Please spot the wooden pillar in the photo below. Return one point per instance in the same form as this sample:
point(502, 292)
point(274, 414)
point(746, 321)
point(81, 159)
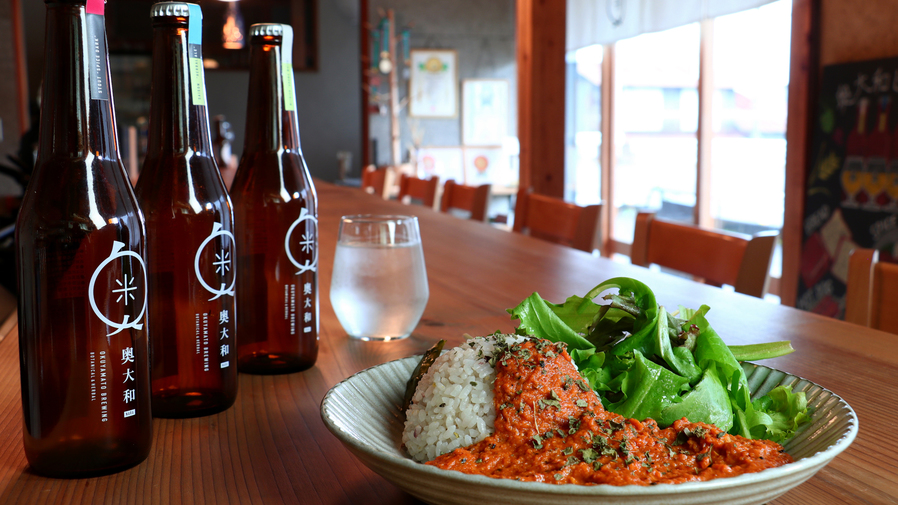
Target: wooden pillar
point(607, 158)
point(395, 145)
point(365, 52)
point(18, 37)
point(705, 133)
point(803, 77)
point(540, 58)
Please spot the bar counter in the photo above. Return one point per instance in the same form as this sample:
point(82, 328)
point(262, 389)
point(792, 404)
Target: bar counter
point(272, 446)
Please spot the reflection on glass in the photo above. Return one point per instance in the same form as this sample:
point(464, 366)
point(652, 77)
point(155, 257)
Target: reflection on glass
point(748, 152)
point(656, 118)
point(583, 126)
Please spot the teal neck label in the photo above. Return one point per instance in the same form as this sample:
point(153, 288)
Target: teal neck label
point(195, 25)
point(195, 55)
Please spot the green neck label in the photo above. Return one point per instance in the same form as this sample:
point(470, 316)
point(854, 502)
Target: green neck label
point(289, 89)
point(197, 78)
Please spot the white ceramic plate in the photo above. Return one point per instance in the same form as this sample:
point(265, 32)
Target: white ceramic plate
point(363, 411)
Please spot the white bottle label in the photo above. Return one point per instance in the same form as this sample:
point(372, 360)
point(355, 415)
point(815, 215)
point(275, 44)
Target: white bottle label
point(129, 289)
point(224, 260)
point(308, 242)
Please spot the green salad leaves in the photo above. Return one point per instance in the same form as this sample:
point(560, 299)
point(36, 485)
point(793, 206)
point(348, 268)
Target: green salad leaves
point(645, 362)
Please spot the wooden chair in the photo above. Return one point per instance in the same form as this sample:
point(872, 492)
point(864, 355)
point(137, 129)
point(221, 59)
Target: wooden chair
point(473, 199)
point(742, 261)
point(557, 221)
point(872, 291)
point(377, 181)
point(421, 189)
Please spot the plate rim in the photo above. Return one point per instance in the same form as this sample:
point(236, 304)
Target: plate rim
point(812, 463)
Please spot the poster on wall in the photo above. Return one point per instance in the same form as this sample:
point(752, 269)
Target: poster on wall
point(433, 83)
point(485, 111)
point(487, 165)
point(851, 194)
point(444, 162)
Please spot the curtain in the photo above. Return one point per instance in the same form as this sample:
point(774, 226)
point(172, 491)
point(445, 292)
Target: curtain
point(605, 21)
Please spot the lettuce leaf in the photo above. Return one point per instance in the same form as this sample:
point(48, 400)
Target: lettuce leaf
point(708, 402)
point(788, 411)
point(647, 389)
point(541, 319)
point(644, 362)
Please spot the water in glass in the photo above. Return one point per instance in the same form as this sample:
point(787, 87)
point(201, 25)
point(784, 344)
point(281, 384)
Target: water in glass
point(379, 285)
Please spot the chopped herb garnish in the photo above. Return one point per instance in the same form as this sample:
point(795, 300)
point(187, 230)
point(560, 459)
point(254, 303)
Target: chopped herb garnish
point(573, 425)
point(555, 401)
point(589, 455)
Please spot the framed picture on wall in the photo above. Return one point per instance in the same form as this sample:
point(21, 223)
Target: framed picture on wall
point(484, 111)
point(445, 162)
point(433, 83)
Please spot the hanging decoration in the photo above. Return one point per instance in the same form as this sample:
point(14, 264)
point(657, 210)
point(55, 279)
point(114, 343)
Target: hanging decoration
point(385, 65)
point(232, 31)
point(390, 58)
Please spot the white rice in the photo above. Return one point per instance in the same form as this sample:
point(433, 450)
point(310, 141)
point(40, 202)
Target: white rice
point(453, 404)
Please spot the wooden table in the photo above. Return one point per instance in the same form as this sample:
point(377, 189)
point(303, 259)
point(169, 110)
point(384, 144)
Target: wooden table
point(272, 446)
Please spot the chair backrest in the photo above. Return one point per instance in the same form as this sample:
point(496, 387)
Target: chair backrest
point(376, 181)
point(421, 189)
point(474, 199)
point(742, 261)
point(557, 221)
point(872, 291)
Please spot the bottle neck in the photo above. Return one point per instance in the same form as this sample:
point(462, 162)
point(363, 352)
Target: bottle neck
point(271, 122)
point(77, 118)
point(179, 117)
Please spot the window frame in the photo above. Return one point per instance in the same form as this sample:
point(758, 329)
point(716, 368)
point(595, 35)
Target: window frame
point(704, 136)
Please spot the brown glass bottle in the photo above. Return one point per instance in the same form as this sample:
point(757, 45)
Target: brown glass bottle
point(190, 227)
point(80, 245)
point(276, 212)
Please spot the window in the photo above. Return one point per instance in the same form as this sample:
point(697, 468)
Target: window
point(655, 125)
point(748, 151)
point(657, 156)
point(583, 104)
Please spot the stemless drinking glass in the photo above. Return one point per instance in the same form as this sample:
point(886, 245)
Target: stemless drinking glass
point(379, 285)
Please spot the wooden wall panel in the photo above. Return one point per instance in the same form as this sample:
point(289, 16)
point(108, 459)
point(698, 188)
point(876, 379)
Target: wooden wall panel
point(852, 30)
point(541, 38)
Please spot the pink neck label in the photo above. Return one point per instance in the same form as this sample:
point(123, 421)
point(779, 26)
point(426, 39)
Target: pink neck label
point(95, 7)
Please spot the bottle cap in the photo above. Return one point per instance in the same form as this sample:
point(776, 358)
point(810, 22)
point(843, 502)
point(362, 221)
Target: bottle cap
point(170, 9)
point(269, 29)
